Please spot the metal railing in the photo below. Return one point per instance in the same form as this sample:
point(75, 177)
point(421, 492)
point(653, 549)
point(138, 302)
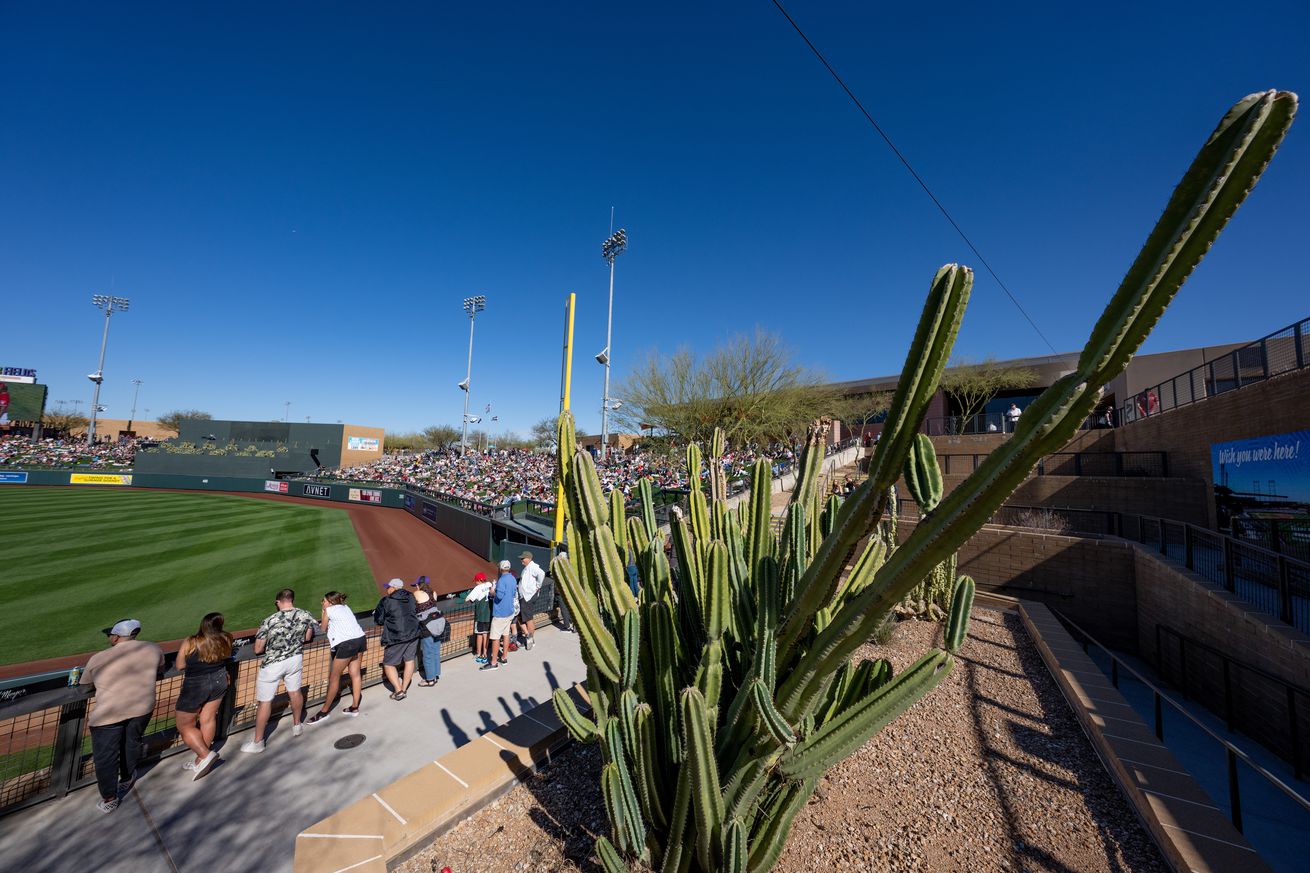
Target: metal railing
point(1242, 692)
point(986, 423)
point(1232, 754)
point(1273, 583)
point(1282, 351)
point(1112, 464)
point(45, 738)
point(1053, 519)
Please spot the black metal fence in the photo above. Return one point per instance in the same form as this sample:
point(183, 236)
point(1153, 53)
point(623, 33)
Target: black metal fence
point(1268, 709)
point(999, 422)
point(45, 738)
point(1277, 584)
point(1280, 352)
point(1052, 519)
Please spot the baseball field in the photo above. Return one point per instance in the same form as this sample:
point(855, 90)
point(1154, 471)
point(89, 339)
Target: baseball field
point(75, 560)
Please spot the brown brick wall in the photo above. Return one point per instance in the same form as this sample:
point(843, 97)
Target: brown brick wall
point(1178, 499)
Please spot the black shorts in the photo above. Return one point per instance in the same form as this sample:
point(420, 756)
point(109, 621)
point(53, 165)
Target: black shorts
point(199, 690)
point(482, 627)
point(347, 649)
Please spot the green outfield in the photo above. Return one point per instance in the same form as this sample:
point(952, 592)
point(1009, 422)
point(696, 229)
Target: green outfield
point(74, 560)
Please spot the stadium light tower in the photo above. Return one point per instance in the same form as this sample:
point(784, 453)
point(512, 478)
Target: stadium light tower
point(110, 304)
point(615, 245)
point(472, 305)
point(136, 392)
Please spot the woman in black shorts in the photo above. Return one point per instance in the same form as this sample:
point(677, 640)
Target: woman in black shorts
point(203, 662)
point(348, 643)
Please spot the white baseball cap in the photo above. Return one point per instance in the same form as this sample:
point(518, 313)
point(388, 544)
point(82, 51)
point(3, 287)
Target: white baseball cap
point(396, 583)
point(124, 628)
point(505, 565)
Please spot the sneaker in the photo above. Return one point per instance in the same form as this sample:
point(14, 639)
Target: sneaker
point(528, 645)
point(479, 660)
point(203, 765)
point(318, 718)
point(250, 746)
point(297, 730)
point(125, 787)
point(352, 711)
point(490, 667)
point(504, 662)
point(107, 805)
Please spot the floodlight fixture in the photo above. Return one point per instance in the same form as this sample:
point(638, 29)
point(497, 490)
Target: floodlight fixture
point(603, 357)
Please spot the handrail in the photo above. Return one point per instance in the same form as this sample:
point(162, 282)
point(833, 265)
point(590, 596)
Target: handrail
point(1159, 696)
point(1165, 396)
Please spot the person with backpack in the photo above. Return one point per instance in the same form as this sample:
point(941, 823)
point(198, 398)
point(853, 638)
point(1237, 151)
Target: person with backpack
point(434, 628)
point(396, 616)
point(480, 597)
point(530, 582)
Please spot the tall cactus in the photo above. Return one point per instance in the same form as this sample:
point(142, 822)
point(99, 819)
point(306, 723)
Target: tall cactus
point(719, 703)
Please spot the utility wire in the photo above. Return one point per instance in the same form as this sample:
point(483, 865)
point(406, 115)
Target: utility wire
point(922, 184)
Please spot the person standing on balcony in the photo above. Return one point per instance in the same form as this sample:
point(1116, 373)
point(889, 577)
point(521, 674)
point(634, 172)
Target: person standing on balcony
point(281, 641)
point(396, 616)
point(502, 613)
point(1012, 417)
point(124, 677)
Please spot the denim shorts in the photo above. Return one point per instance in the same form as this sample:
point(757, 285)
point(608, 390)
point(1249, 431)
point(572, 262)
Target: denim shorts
point(199, 690)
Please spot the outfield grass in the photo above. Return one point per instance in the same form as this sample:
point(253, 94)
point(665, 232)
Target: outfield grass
point(75, 560)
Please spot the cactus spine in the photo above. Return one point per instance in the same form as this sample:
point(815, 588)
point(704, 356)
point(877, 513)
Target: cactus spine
point(719, 702)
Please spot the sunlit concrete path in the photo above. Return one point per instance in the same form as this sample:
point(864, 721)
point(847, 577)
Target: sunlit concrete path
point(245, 813)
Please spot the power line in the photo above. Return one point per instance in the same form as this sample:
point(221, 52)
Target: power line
point(922, 184)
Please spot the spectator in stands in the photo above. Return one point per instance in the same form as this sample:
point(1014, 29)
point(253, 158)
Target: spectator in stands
point(281, 641)
point(124, 677)
point(203, 661)
point(530, 582)
point(1012, 417)
point(480, 597)
point(400, 632)
point(502, 613)
point(348, 642)
point(432, 627)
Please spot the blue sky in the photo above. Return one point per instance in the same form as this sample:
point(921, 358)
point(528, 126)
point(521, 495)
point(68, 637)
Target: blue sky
point(296, 197)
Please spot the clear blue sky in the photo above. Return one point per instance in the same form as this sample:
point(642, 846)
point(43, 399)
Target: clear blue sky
point(296, 197)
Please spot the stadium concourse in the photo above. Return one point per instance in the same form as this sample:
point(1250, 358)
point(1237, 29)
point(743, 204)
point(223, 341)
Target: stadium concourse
point(246, 812)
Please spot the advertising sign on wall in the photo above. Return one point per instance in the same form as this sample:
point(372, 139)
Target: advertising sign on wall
point(429, 511)
point(13, 478)
point(99, 479)
point(409, 501)
point(365, 495)
point(277, 487)
point(318, 490)
point(362, 444)
point(1263, 479)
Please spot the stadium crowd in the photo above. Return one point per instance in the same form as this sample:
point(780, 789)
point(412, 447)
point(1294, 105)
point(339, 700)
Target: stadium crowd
point(503, 476)
point(20, 451)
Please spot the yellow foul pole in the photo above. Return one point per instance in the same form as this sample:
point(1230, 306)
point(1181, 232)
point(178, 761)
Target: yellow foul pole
point(566, 384)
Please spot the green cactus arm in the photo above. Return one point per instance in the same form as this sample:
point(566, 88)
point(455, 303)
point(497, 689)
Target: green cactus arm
point(957, 620)
point(938, 325)
point(637, 539)
point(734, 847)
point(592, 510)
point(647, 497)
point(769, 833)
point(610, 859)
point(610, 573)
point(649, 774)
point(579, 726)
point(760, 537)
point(709, 676)
point(769, 718)
point(807, 471)
point(698, 513)
point(922, 475)
point(853, 727)
point(631, 819)
point(611, 791)
point(706, 799)
point(829, 518)
point(630, 655)
point(693, 467)
point(678, 852)
point(1218, 180)
point(598, 644)
point(565, 445)
point(716, 605)
point(665, 660)
point(618, 527)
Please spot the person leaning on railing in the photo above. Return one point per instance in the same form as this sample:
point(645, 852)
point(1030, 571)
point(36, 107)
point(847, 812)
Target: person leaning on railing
point(348, 642)
point(124, 677)
point(203, 662)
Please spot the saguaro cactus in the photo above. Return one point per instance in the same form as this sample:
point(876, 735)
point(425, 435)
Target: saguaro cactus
point(720, 702)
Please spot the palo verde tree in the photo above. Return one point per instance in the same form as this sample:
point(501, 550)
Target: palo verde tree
point(973, 385)
point(719, 701)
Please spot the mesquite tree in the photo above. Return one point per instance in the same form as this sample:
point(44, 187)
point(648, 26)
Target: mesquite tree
point(720, 702)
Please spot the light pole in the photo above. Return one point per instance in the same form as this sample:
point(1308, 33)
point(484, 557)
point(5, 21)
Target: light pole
point(615, 245)
point(135, 392)
point(286, 416)
point(110, 304)
point(472, 305)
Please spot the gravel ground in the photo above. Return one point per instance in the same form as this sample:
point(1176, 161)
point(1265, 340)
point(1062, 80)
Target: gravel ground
point(990, 773)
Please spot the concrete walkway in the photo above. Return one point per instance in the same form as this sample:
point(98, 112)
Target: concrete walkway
point(245, 813)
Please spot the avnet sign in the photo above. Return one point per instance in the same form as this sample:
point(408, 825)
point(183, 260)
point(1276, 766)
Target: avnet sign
point(318, 490)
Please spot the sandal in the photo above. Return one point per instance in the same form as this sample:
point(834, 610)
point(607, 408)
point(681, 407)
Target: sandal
point(399, 695)
point(427, 683)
